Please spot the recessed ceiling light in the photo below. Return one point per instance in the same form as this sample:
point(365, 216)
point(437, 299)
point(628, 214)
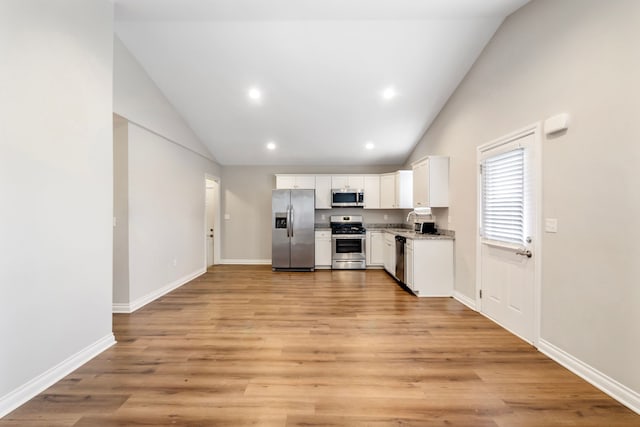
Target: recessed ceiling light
point(254, 93)
point(389, 93)
point(271, 145)
point(369, 145)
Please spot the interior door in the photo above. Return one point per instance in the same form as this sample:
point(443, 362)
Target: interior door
point(210, 219)
point(507, 240)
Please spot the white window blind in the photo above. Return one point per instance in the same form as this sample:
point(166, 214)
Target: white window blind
point(503, 197)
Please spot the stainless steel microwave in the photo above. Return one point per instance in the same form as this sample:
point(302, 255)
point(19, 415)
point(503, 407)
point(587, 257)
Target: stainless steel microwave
point(347, 197)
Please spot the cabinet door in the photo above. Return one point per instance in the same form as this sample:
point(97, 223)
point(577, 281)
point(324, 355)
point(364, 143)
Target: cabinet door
point(286, 182)
point(431, 182)
point(421, 184)
point(355, 182)
point(323, 192)
point(339, 181)
point(408, 266)
point(376, 253)
point(372, 191)
point(404, 190)
point(323, 248)
point(305, 182)
point(390, 253)
point(387, 191)
point(433, 275)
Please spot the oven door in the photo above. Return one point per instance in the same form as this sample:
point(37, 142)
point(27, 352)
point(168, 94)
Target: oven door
point(348, 247)
point(347, 252)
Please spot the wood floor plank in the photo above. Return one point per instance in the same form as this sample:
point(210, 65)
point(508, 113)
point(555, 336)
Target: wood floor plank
point(244, 346)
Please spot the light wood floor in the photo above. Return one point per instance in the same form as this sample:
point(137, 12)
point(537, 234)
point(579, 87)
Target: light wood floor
point(244, 346)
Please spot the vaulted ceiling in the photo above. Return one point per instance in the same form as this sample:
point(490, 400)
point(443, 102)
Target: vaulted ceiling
point(319, 79)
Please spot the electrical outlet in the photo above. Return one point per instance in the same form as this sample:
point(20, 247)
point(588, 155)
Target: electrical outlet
point(323, 217)
point(386, 216)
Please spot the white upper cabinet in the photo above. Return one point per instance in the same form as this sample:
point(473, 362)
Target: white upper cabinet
point(371, 191)
point(295, 182)
point(431, 182)
point(354, 182)
point(404, 190)
point(387, 191)
point(323, 191)
point(396, 190)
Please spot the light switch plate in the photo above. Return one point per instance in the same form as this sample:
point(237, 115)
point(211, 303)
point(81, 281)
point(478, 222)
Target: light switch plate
point(551, 225)
point(227, 216)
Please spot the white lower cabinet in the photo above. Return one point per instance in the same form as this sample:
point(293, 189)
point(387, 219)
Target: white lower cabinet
point(323, 249)
point(408, 264)
point(375, 248)
point(389, 253)
point(429, 267)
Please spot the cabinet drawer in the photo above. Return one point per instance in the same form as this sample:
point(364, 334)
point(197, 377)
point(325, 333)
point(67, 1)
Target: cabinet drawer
point(323, 234)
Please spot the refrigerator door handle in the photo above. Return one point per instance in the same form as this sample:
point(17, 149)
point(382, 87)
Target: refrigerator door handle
point(288, 221)
point(291, 220)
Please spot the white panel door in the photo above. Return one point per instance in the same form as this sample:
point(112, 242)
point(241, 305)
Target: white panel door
point(507, 228)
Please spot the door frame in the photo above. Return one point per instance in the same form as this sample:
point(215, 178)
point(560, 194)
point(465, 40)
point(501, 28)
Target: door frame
point(216, 233)
point(534, 129)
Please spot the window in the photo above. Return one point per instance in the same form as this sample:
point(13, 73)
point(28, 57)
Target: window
point(503, 197)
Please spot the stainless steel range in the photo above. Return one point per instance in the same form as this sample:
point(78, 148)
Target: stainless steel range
point(348, 242)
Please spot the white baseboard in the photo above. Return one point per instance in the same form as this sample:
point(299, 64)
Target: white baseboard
point(29, 390)
point(152, 296)
point(120, 307)
point(246, 261)
point(613, 388)
point(465, 300)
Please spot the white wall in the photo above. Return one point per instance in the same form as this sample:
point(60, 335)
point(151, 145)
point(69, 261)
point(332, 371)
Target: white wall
point(579, 57)
point(246, 198)
point(120, 211)
point(56, 186)
point(166, 214)
point(165, 190)
point(137, 98)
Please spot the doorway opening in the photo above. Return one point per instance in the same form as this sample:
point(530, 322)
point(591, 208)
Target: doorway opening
point(212, 221)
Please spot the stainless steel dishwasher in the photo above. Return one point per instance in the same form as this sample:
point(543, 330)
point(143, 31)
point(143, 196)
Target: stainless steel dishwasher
point(400, 241)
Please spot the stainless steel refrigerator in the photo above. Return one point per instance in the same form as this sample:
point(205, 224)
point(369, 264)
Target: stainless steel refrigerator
point(293, 233)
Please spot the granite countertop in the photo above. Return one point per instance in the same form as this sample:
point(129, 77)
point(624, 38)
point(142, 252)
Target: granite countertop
point(410, 234)
point(398, 229)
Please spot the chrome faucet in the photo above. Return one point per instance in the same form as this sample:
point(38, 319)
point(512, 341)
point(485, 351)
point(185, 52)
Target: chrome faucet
point(409, 215)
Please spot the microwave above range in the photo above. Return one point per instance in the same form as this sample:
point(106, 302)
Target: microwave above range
point(347, 198)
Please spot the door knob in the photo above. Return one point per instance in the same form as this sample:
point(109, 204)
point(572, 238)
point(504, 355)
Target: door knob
point(524, 252)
